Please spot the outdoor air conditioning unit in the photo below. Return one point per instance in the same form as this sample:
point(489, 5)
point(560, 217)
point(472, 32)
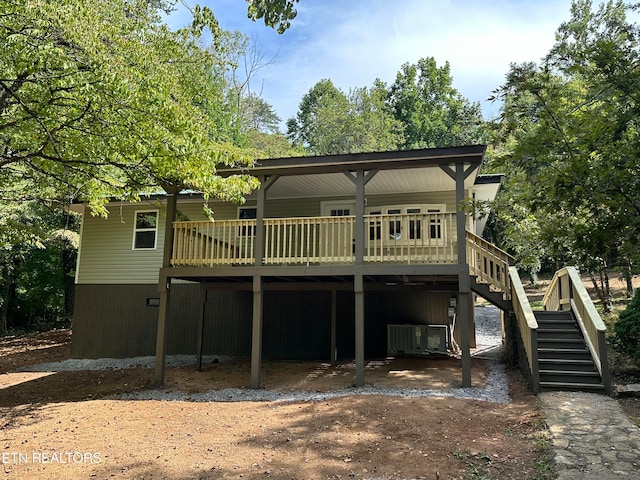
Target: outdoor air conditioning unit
point(416, 339)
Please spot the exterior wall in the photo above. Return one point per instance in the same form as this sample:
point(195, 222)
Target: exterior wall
point(115, 321)
point(106, 255)
point(112, 319)
point(106, 245)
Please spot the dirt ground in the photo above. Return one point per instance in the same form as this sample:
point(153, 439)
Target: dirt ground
point(64, 425)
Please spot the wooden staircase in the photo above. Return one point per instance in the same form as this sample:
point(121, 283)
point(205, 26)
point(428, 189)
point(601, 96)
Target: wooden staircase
point(564, 361)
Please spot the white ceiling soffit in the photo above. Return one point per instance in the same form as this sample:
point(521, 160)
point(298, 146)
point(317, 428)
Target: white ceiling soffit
point(409, 180)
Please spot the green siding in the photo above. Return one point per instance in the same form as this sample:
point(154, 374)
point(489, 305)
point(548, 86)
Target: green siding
point(106, 253)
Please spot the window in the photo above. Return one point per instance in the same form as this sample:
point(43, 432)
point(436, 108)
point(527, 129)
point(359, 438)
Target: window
point(415, 222)
point(145, 232)
point(375, 226)
point(435, 224)
point(340, 212)
point(395, 224)
point(247, 213)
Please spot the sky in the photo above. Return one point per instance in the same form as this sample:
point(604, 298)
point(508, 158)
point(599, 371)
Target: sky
point(353, 42)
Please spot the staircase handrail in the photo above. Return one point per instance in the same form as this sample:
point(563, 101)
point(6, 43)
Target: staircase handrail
point(527, 325)
point(567, 290)
point(488, 262)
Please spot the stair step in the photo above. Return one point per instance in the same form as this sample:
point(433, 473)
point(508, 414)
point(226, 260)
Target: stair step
point(569, 377)
point(562, 364)
point(564, 353)
point(557, 326)
point(546, 386)
point(559, 333)
point(553, 314)
point(561, 343)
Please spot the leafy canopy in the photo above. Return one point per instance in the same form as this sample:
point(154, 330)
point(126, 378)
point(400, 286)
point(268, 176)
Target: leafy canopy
point(99, 99)
point(570, 127)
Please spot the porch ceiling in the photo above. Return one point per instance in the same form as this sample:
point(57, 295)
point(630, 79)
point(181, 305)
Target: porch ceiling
point(429, 179)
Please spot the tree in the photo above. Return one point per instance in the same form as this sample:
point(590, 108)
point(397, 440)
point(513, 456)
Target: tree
point(99, 99)
point(627, 329)
point(431, 111)
point(574, 124)
point(330, 122)
point(37, 266)
point(276, 13)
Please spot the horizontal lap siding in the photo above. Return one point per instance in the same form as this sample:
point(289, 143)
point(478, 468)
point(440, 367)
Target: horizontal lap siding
point(106, 253)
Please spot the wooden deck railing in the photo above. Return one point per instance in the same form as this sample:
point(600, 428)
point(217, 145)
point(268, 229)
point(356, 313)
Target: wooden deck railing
point(527, 325)
point(411, 238)
point(406, 238)
point(567, 292)
point(488, 263)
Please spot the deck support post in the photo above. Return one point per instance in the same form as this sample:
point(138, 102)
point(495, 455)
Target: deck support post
point(464, 281)
point(256, 337)
point(464, 321)
point(334, 327)
point(203, 307)
point(459, 175)
point(164, 286)
point(358, 287)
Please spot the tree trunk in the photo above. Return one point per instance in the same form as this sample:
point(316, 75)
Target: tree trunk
point(68, 254)
point(628, 277)
point(601, 286)
point(8, 285)
point(4, 300)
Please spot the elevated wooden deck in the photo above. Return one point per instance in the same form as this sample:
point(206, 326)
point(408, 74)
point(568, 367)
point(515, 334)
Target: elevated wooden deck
point(409, 239)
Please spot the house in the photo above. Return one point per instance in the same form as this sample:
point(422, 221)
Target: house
point(316, 264)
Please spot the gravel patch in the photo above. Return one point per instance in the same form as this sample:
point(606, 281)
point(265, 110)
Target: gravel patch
point(72, 364)
point(496, 392)
point(489, 346)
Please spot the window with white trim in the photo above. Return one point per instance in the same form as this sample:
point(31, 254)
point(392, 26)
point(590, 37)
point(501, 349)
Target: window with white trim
point(407, 227)
point(145, 230)
point(247, 213)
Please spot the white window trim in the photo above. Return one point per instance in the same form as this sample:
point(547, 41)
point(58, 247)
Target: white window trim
point(245, 207)
point(424, 208)
point(136, 230)
point(324, 205)
point(241, 233)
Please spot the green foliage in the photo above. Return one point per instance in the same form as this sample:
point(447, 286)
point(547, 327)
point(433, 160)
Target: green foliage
point(627, 329)
point(276, 13)
point(272, 145)
point(432, 112)
point(99, 99)
point(329, 121)
point(420, 109)
point(37, 266)
point(569, 128)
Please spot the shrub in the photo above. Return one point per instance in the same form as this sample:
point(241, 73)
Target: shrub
point(627, 329)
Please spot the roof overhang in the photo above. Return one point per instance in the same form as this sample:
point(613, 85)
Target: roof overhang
point(398, 159)
point(404, 171)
